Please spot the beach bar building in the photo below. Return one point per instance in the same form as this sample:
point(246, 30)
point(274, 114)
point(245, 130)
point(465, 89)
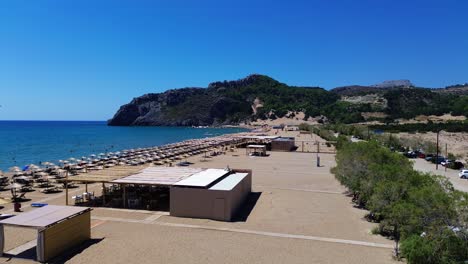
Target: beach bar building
point(188, 192)
point(59, 228)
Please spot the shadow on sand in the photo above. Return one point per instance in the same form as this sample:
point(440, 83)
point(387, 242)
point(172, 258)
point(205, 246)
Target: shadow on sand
point(69, 254)
point(30, 253)
point(249, 205)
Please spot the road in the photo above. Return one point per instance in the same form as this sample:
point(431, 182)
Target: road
point(452, 175)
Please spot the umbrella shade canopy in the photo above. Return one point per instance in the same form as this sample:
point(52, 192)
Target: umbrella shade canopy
point(14, 186)
point(22, 178)
point(16, 168)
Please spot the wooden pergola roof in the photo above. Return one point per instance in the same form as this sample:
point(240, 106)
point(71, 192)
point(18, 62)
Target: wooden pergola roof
point(165, 176)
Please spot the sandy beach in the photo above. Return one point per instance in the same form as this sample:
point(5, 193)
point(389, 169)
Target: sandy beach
point(301, 215)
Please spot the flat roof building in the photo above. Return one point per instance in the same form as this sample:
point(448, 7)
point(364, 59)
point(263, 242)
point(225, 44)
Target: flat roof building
point(218, 198)
point(192, 192)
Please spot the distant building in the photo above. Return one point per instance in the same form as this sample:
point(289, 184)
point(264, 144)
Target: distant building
point(291, 128)
point(283, 144)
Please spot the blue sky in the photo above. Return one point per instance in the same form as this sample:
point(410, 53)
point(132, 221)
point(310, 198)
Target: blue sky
point(81, 60)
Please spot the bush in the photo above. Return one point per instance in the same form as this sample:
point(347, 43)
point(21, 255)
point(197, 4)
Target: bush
point(406, 203)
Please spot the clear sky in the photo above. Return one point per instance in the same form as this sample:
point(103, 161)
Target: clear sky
point(81, 60)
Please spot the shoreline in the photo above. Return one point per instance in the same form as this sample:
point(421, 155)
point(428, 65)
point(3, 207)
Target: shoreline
point(77, 146)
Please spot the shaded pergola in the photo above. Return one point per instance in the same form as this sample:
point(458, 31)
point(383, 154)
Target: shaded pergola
point(151, 176)
point(256, 148)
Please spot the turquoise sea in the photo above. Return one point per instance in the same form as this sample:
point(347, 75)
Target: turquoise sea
point(26, 142)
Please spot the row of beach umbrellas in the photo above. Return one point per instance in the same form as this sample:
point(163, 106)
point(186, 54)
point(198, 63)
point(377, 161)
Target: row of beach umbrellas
point(157, 155)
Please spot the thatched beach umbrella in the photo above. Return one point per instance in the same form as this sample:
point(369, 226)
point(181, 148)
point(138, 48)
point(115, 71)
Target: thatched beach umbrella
point(14, 186)
point(15, 169)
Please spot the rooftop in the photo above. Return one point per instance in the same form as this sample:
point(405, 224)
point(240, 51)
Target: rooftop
point(44, 216)
point(159, 176)
point(229, 182)
point(203, 178)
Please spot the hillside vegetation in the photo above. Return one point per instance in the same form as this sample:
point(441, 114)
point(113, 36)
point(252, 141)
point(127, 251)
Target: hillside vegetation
point(261, 97)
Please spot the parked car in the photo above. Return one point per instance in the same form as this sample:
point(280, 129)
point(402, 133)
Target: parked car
point(456, 165)
point(446, 162)
point(438, 159)
point(463, 174)
point(410, 154)
point(421, 155)
point(429, 157)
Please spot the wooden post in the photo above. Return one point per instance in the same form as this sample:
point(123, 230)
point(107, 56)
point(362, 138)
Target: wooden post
point(302, 146)
point(103, 194)
point(86, 187)
point(66, 188)
point(124, 194)
point(446, 155)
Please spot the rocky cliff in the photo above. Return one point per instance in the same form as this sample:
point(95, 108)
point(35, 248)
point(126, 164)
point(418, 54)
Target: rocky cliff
point(218, 104)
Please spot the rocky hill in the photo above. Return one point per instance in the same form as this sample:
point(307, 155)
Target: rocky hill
point(461, 89)
point(227, 102)
point(261, 97)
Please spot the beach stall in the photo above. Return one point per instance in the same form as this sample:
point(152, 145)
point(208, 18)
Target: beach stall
point(256, 150)
point(283, 144)
point(59, 228)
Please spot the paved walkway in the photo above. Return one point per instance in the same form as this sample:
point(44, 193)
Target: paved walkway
point(152, 220)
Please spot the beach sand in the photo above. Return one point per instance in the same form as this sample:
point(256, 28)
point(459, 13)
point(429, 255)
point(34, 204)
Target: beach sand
point(301, 215)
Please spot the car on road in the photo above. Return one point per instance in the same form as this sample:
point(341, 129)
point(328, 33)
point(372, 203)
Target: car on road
point(438, 159)
point(456, 165)
point(463, 174)
point(429, 157)
point(446, 162)
point(410, 154)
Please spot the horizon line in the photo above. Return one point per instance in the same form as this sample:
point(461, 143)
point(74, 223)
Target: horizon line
point(43, 120)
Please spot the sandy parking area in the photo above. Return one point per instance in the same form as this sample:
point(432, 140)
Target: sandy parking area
point(452, 175)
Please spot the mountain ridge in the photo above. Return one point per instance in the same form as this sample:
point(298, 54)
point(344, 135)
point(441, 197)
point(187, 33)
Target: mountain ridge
point(262, 97)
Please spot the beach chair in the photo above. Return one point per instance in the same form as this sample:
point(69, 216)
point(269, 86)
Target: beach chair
point(38, 204)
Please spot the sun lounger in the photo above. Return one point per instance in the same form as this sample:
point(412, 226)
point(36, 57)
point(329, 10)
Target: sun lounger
point(38, 204)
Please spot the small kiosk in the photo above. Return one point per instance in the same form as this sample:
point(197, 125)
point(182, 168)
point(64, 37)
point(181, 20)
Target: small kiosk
point(58, 228)
point(256, 150)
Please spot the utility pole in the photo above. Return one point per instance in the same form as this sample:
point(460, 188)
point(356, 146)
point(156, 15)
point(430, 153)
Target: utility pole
point(437, 150)
point(446, 156)
point(318, 150)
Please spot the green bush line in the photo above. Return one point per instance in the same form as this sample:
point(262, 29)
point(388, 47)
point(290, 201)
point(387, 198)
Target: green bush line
point(421, 212)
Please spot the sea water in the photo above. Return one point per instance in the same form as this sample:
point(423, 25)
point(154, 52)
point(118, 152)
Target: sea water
point(26, 142)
